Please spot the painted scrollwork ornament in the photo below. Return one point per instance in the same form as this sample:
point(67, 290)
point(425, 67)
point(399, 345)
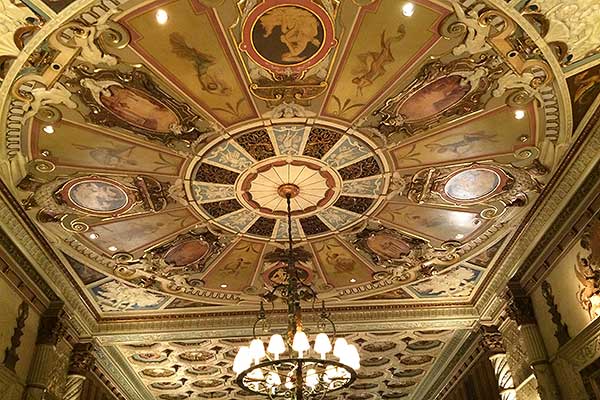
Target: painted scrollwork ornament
point(493, 187)
point(132, 101)
point(466, 84)
point(176, 266)
point(404, 258)
point(17, 22)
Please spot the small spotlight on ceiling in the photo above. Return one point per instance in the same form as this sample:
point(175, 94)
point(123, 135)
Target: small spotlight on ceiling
point(113, 248)
point(408, 9)
point(352, 280)
point(519, 114)
point(224, 285)
point(93, 236)
point(49, 129)
point(161, 16)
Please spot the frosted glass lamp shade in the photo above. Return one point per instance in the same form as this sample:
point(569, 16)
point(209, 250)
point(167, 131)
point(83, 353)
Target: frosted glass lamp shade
point(257, 350)
point(300, 343)
point(242, 360)
point(276, 345)
point(322, 344)
point(340, 347)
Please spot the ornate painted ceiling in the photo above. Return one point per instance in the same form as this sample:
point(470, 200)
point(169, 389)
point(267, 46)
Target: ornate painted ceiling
point(147, 141)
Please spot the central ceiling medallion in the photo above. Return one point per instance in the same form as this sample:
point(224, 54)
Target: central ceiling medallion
point(312, 184)
point(335, 178)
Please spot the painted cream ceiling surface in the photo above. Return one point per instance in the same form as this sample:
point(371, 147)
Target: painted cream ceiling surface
point(150, 155)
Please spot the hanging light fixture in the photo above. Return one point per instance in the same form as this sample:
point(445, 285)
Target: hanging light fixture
point(289, 368)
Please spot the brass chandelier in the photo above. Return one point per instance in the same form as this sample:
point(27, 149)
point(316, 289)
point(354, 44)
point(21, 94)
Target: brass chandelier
point(289, 368)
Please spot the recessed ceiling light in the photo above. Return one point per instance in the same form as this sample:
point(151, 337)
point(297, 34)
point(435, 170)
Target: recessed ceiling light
point(113, 248)
point(519, 114)
point(49, 129)
point(408, 9)
point(352, 280)
point(459, 236)
point(93, 236)
point(161, 16)
point(224, 285)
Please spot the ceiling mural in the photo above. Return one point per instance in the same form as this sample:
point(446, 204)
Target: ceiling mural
point(393, 366)
point(157, 157)
point(152, 143)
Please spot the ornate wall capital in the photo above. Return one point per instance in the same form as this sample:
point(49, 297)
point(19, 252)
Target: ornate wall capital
point(520, 307)
point(492, 339)
point(52, 324)
point(82, 359)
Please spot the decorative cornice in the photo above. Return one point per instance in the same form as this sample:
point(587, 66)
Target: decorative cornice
point(111, 362)
point(573, 183)
point(441, 367)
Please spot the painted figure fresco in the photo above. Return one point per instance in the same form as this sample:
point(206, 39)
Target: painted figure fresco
point(472, 184)
point(288, 35)
point(209, 78)
point(388, 246)
point(373, 63)
point(187, 252)
point(98, 196)
point(434, 98)
point(138, 109)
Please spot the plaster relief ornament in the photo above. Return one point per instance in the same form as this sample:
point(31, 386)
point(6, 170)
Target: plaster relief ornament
point(574, 22)
point(86, 38)
point(45, 99)
point(117, 296)
point(457, 282)
point(587, 270)
point(476, 33)
point(16, 21)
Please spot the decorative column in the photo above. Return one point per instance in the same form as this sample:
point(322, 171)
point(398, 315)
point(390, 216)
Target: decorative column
point(492, 341)
point(50, 331)
point(81, 362)
point(521, 311)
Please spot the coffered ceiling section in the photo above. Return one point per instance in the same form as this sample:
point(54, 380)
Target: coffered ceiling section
point(393, 366)
point(152, 139)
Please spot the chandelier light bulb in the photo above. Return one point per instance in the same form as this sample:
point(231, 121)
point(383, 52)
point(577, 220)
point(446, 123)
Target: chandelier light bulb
point(276, 346)
point(339, 349)
point(300, 343)
point(312, 379)
point(273, 379)
point(322, 344)
point(242, 360)
point(257, 350)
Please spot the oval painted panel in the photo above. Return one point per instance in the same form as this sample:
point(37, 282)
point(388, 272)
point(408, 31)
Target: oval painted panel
point(388, 246)
point(379, 346)
point(166, 385)
point(416, 360)
point(98, 196)
point(187, 252)
point(139, 109)
point(202, 370)
point(158, 372)
point(434, 98)
point(149, 357)
point(408, 373)
point(424, 345)
point(472, 184)
point(288, 35)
